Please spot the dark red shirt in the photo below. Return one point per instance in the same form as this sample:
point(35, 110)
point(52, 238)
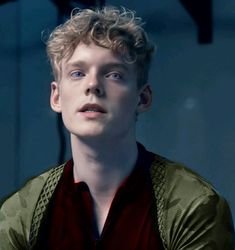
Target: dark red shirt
point(70, 222)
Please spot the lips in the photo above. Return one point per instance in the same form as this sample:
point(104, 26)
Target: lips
point(92, 107)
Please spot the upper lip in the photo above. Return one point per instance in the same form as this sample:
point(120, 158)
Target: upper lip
point(92, 106)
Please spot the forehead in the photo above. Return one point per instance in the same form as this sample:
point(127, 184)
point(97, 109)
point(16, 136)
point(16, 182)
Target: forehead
point(94, 55)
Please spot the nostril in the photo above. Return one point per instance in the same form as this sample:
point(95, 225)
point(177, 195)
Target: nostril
point(87, 91)
point(97, 91)
point(94, 91)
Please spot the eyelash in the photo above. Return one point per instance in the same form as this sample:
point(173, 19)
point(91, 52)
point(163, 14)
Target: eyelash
point(120, 77)
point(116, 76)
point(74, 74)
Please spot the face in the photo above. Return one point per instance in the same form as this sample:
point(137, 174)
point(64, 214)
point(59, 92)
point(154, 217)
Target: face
point(97, 94)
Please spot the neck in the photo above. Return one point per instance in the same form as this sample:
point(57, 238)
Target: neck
point(103, 165)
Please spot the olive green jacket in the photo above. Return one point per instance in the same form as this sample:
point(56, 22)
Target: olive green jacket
point(190, 214)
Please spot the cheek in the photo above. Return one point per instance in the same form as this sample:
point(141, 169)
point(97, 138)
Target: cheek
point(67, 102)
point(130, 96)
point(126, 100)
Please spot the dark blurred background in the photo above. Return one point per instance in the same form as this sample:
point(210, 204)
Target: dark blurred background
point(192, 119)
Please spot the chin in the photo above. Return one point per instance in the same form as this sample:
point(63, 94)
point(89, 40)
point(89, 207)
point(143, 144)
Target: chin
point(88, 134)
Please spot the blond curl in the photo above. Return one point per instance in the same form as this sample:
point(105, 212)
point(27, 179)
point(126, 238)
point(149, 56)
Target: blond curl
point(114, 28)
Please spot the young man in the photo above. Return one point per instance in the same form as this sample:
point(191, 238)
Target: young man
point(113, 194)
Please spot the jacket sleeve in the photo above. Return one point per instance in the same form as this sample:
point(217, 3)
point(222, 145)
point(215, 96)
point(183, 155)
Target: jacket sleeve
point(16, 214)
point(195, 216)
point(13, 230)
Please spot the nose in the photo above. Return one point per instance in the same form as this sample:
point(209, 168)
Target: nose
point(94, 87)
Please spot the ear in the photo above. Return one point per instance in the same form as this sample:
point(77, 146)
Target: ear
point(145, 99)
point(55, 97)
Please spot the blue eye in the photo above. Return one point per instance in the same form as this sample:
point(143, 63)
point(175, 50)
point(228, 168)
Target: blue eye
point(115, 76)
point(77, 74)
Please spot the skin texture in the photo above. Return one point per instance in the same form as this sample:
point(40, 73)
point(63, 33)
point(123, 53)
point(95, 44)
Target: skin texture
point(103, 141)
point(96, 75)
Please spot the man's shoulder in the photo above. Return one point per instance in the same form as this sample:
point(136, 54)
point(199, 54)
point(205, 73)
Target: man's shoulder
point(29, 189)
point(179, 178)
point(16, 213)
point(189, 205)
point(184, 192)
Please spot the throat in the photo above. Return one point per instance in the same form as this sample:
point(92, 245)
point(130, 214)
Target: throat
point(101, 211)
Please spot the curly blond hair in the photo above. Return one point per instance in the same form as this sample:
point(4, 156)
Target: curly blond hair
point(114, 28)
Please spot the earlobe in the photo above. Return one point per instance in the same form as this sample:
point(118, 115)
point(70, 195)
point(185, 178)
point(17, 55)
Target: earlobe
point(55, 97)
point(145, 99)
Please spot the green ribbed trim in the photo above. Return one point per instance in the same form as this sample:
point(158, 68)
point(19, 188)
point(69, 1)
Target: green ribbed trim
point(158, 173)
point(43, 201)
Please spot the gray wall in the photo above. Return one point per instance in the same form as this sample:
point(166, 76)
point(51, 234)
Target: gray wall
point(192, 118)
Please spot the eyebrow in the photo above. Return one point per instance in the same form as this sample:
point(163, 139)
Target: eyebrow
point(75, 64)
point(82, 64)
point(116, 65)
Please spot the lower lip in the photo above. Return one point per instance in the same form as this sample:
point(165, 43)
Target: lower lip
point(92, 115)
